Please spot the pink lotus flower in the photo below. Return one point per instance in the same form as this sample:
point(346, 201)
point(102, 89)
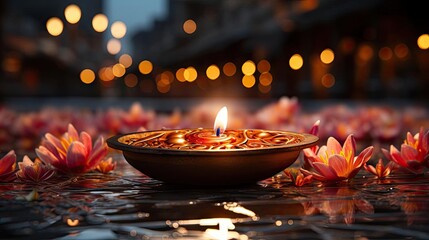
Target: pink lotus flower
point(297, 177)
point(414, 154)
point(380, 170)
point(36, 171)
point(106, 166)
point(7, 167)
point(72, 153)
point(336, 163)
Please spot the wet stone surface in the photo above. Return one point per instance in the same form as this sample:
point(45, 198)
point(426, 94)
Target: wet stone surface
point(128, 205)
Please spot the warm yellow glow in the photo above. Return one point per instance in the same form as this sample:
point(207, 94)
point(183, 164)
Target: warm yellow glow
point(213, 72)
point(229, 69)
point(106, 74)
point(423, 41)
point(264, 89)
point(401, 50)
point(248, 81)
point(365, 52)
point(327, 56)
point(264, 66)
point(328, 80)
point(385, 53)
point(265, 79)
point(162, 87)
point(118, 70)
point(180, 75)
point(296, 62)
point(87, 76)
point(223, 233)
point(131, 80)
point(248, 68)
point(72, 222)
point(221, 121)
point(54, 26)
point(72, 13)
point(126, 60)
point(114, 46)
point(100, 22)
point(189, 26)
point(118, 29)
point(190, 74)
point(145, 67)
point(235, 207)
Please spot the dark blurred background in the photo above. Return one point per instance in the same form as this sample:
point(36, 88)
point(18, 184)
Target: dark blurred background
point(246, 49)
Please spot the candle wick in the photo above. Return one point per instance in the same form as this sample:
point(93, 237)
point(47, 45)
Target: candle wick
point(218, 132)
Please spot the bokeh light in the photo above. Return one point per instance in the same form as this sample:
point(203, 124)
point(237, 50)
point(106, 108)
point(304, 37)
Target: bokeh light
point(180, 75)
point(248, 81)
point(118, 29)
point(126, 60)
point(145, 67)
point(265, 79)
point(385, 53)
point(423, 41)
point(87, 76)
point(131, 80)
point(401, 50)
point(54, 26)
point(296, 62)
point(328, 80)
point(189, 26)
point(213, 72)
point(263, 66)
point(327, 56)
point(118, 70)
point(248, 68)
point(100, 22)
point(72, 13)
point(229, 69)
point(114, 46)
point(190, 74)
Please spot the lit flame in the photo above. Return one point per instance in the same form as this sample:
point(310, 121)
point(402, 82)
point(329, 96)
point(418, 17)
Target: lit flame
point(221, 121)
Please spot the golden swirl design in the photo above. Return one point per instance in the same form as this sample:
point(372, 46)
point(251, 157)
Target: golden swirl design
point(204, 139)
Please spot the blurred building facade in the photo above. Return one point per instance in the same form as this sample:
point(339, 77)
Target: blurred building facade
point(312, 49)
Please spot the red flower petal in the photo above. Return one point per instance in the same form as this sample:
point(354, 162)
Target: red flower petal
point(339, 164)
point(325, 171)
point(76, 158)
point(333, 146)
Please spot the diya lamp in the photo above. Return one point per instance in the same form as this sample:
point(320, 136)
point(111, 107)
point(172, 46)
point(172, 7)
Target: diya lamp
point(211, 157)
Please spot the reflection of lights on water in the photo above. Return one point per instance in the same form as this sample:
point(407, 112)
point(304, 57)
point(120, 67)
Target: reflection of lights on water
point(72, 13)
point(248, 68)
point(234, 207)
point(118, 29)
point(145, 67)
point(248, 81)
point(385, 53)
point(72, 222)
point(327, 56)
point(229, 69)
point(213, 72)
point(180, 75)
point(100, 22)
point(190, 74)
point(54, 26)
point(296, 62)
point(189, 26)
point(87, 76)
point(328, 80)
point(423, 41)
point(113, 46)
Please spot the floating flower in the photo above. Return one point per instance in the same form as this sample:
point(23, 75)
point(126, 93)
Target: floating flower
point(414, 154)
point(7, 167)
point(380, 170)
point(72, 153)
point(36, 171)
point(106, 166)
point(297, 177)
point(336, 163)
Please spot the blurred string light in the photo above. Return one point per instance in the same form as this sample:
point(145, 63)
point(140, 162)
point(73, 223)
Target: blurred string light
point(296, 62)
point(114, 46)
point(248, 68)
point(189, 26)
point(213, 72)
point(423, 41)
point(126, 60)
point(118, 29)
point(100, 22)
point(54, 26)
point(72, 13)
point(327, 56)
point(229, 69)
point(145, 67)
point(87, 76)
